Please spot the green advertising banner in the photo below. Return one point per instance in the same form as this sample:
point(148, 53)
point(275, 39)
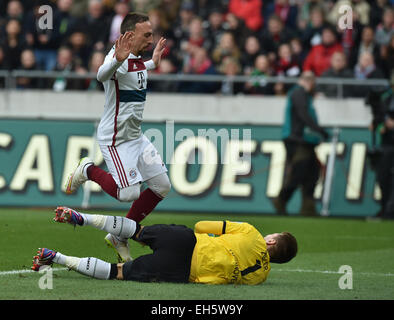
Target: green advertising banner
point(212, 167)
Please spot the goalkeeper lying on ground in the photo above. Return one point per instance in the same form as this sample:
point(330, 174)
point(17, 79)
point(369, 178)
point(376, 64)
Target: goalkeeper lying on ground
point(237, 254)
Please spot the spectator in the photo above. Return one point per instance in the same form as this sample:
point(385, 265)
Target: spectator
point(166, 67)
point(121, 10)
point(367, 44)
point(13, 44)
point(275, 34)
point(285, 64)
point(80, 49)
point(159, 24)
point(350, 38)
point(28, 63)
point(338, 69)
point(65, 63)
point(64, 21)
point(170, 8)
point(249, 11)
point(44, 42)
point(312, 35)
point(161, 28)
point(181, 30)
point(318, 59)
point(200, 63)
point(144, 5)
point(385, 30)
point(230, 67)
point(259, 83)
point(227, 47)
point(387, 58)
point(365, 69)
point(15, 11)
point(204, 8)
point(196, 33)
point(376, 12)
point(214, 28)
point(96, 25)
point(185, 17)
point(248, 56)
point(79, 8)
point(96, 60)
point(285, 10)
point(298, 51)
point(237, 27)
point(305, 9)
point(194, 41)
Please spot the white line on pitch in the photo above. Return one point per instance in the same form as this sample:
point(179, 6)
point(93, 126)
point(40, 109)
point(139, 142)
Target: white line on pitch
point(335, 272)
point(5, 273)
point(11, 272)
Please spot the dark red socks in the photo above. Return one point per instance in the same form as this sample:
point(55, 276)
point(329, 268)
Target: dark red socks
point(141, 207)
point(104, 179)
point(144, 205)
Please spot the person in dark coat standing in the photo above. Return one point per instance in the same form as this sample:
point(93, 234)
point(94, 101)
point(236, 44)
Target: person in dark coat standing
point(301, 134)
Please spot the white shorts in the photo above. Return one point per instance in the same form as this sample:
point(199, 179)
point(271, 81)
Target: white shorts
point(133, 161)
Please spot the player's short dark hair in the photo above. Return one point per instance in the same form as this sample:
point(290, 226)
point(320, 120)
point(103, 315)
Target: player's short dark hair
point(130, 20)
point(285, 248)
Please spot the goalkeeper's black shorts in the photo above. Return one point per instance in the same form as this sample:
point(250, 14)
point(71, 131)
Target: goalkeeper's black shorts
point(170, 261)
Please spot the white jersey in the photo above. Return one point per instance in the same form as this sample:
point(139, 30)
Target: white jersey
point(125, 94)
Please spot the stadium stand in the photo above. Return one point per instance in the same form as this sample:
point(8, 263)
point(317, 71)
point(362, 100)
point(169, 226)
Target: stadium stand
point(216, 37)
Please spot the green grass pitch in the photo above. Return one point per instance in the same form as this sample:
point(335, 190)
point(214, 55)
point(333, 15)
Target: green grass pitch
point(325, 244)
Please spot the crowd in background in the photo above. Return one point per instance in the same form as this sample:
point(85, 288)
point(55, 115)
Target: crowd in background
point(229, 37)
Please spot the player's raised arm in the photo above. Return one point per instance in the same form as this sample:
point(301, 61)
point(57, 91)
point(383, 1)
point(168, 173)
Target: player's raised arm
point(122, 51)
point(158, 52)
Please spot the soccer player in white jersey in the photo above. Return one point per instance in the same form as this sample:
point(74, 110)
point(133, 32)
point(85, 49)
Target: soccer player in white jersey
point(130, 157)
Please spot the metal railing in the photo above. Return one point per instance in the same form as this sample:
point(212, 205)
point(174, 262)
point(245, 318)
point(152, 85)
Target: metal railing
point(10, 79)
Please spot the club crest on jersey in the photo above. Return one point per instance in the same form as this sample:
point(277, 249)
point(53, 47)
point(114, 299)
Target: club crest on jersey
point(133, 173)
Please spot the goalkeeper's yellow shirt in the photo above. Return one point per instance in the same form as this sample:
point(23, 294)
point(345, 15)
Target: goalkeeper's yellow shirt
point(229, 252)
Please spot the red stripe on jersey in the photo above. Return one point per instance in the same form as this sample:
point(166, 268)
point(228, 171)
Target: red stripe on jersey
point(121, 168)
point(121, 174)
point(116, 112)
point(136, 65)
point(116, 167)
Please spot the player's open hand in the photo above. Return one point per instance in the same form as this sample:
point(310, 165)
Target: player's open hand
point(123, 46)
point(157, 53)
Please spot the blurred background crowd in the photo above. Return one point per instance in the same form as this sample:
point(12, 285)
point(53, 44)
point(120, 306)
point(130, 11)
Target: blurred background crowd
point(227, 37)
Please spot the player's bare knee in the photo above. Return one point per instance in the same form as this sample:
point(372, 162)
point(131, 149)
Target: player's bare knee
point(130, 193)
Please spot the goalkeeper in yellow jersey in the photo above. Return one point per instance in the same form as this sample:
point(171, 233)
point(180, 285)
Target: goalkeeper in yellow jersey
point(216, 252)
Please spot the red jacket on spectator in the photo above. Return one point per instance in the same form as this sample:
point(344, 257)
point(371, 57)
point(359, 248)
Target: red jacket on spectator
point(249, 11)
point(319, 58)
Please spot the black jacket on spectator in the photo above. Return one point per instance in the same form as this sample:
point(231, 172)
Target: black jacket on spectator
point(355, 52)
point(97, 30)
point(271, 44)
point(12, 53)
point(331, 90)
point(362, 91)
